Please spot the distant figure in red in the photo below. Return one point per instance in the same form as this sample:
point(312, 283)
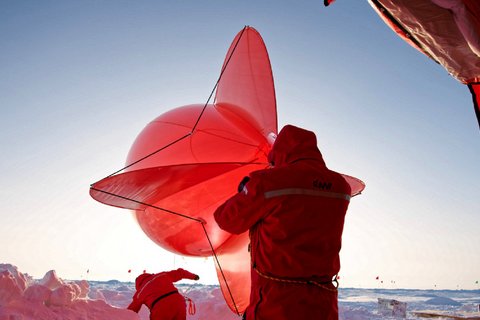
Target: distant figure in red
point(158, 293)
point(295, 213)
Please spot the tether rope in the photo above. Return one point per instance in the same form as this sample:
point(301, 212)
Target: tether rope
point(170, 144)
point(220, 267)
point(294, 281)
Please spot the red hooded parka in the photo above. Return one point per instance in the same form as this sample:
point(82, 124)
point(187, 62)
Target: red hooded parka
point(295, 213)
point(159, 294)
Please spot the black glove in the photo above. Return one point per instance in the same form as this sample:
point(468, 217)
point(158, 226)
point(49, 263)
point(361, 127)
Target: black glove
point(242, 184)
point(197, 277)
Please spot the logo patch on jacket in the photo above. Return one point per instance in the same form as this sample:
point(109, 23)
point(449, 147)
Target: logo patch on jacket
point(322, 184)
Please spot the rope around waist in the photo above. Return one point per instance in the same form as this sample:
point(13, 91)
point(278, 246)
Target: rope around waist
point(161, 297)
point(323, 285)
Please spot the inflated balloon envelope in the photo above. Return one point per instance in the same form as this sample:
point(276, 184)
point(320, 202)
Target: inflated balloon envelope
point(189, 160)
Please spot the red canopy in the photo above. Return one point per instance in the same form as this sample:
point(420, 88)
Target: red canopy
point(447, 31)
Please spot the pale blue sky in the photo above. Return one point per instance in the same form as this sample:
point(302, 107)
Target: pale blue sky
point(80, 79)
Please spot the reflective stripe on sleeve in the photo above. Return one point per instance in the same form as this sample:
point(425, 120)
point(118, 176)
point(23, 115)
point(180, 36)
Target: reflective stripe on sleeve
point(306, 192)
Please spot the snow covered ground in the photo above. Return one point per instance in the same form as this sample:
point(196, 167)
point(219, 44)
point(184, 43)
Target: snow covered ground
point(51, 298)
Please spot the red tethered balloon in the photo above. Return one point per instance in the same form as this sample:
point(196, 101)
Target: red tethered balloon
point(188, 161)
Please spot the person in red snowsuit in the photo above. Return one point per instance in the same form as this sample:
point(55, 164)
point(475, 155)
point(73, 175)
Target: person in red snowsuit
point(158, 293)
point(295, 214)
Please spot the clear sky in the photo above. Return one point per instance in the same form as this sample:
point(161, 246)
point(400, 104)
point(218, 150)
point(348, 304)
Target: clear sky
point(80, 79)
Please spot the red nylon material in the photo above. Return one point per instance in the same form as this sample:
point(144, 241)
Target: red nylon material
point(399, 31)
point(246, 86)
point(220, 136)
point(356, 184)
point(447, 30)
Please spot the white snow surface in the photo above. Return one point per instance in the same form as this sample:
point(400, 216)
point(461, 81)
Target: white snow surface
point(52, 298)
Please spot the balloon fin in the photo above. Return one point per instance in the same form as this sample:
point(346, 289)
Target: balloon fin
point(356, 184)
point(234, 272)
point(170, 202)
point(246, 85)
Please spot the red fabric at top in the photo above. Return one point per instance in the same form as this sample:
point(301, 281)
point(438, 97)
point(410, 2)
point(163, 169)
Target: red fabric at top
point(445, 30)
point(473, 7)
point(295, 213)
point(397, 27)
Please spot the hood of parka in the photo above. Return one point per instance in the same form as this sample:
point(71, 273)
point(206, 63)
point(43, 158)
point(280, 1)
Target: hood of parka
point(142, 279)
point(294, 144)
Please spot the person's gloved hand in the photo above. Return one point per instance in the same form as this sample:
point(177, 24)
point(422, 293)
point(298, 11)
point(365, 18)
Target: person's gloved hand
point(243, 183)
point(197, 277)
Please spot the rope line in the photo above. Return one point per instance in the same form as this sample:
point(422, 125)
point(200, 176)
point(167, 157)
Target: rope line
point(149, 155)
point(311, 282)
point(146, 204)
point(220, 77)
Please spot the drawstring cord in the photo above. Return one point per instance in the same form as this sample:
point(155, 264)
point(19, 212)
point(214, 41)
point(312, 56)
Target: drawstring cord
point(192, 309)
